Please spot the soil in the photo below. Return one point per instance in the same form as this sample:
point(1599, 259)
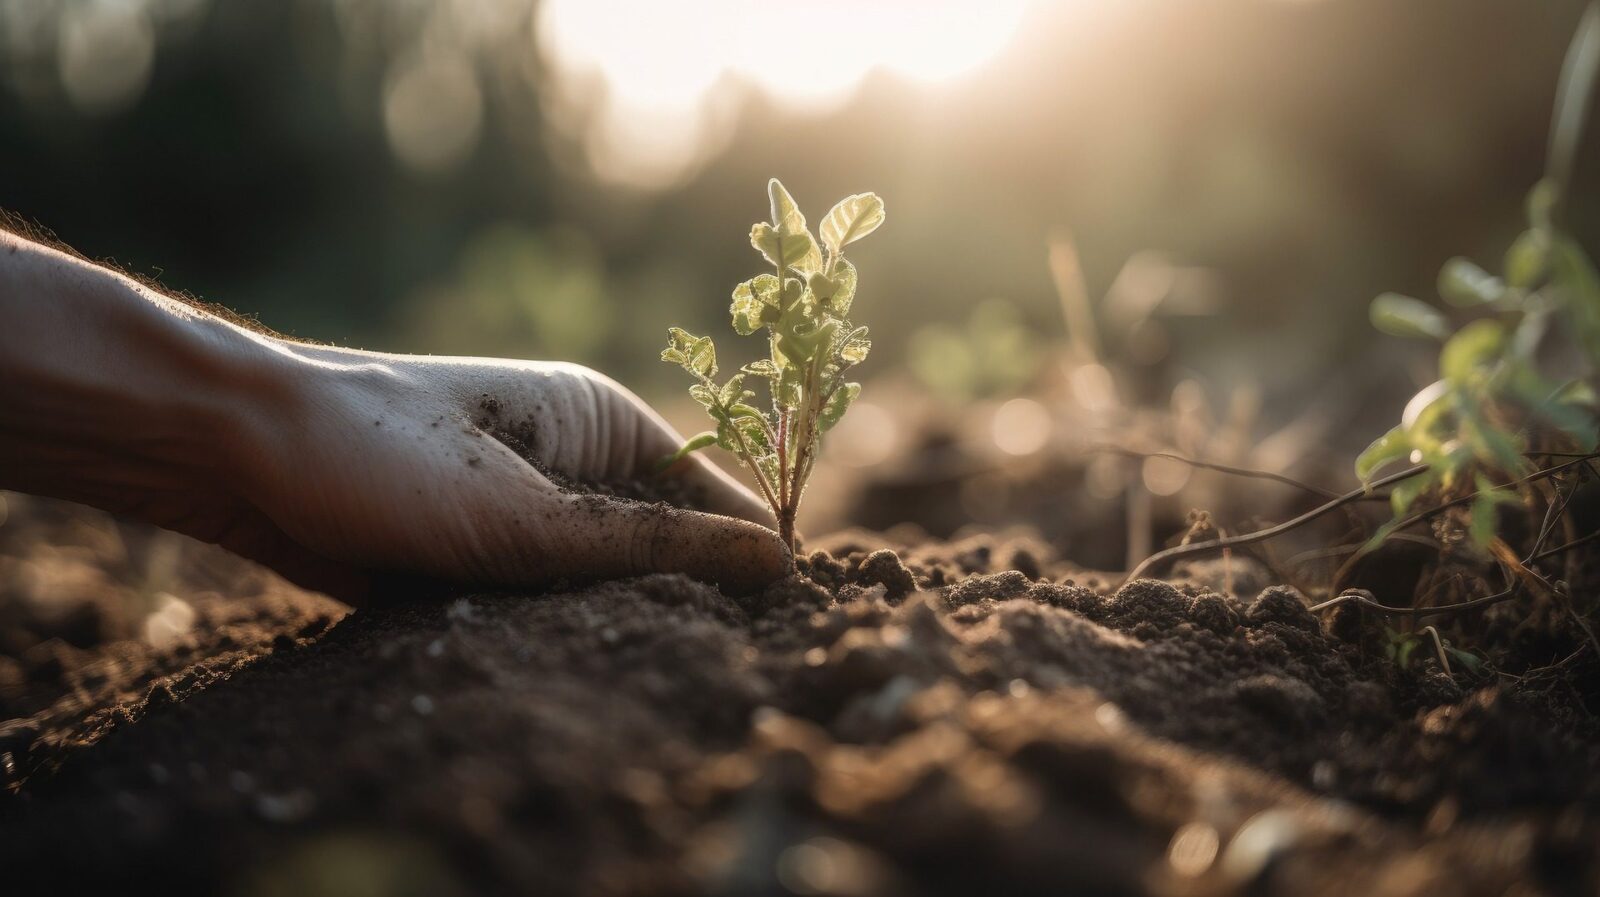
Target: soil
point(909, 716)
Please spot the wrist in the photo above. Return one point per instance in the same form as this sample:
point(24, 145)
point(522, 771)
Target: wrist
point(109, 391)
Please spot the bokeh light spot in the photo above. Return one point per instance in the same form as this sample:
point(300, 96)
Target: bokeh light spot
point(433, 111)
point(105, 54)
point(1164, 476)
point(1021, 427)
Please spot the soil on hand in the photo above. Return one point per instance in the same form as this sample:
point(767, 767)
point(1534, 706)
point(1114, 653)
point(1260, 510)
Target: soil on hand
point(972, 717)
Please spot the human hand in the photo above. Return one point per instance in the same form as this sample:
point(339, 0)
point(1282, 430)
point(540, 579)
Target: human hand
point(445, 467)
point(332, 466)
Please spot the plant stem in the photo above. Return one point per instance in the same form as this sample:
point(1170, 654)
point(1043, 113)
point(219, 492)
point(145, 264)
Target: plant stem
point(755, 470)
point(1438, 649)
point(783, 457)
point(1183, 551)
point(1360, 597)
point(804, 446)
point(761, 478)
point(1194, 548)
point(1548, 552)
point(786, 527)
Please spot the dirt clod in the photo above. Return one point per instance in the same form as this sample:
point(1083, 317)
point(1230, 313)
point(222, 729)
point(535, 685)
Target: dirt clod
point(883, 567)
point(1282, 605)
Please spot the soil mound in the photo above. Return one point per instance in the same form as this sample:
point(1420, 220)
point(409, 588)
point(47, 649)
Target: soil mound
point(908, 720)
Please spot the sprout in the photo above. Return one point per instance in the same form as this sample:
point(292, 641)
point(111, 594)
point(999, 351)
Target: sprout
point(801, 306)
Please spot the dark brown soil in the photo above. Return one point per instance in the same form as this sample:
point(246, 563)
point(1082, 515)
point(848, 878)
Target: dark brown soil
point(972, 717)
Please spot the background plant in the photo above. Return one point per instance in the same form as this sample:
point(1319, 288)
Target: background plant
point(802, 308)
point(1517, 381)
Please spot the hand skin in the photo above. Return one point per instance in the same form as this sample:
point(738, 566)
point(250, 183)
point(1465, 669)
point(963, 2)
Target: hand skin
point(334, 466)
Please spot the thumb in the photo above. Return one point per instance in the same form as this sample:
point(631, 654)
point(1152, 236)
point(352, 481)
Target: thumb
point(601, 537)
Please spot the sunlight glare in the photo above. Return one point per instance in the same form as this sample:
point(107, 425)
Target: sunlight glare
point(649, 74)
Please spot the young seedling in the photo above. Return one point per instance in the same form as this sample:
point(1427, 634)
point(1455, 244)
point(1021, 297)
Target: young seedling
point(801, 306)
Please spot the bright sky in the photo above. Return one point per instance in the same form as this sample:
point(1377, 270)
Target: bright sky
point(646, 84)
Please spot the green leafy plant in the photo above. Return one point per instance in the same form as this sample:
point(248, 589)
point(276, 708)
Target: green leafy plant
point(801, 308)
point(1496, 400)
point(1517, 380)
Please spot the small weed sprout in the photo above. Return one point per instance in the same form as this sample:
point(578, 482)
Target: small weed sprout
point(802, 307)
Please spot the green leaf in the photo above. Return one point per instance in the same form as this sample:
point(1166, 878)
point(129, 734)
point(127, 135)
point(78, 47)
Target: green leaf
point(1580, 394)
point(1569, 408)
point(822, 286)
point(761, 368)
point(1392, 641)
point(1403, 654)
point(785, 212)
point(1529, 332)
point(1405, 493)
point(1379, 537)
point(678, 343)
point(694, 444)
point(1541, 204)
point(1471, 661)
point(800, 337)
point(797, 251)
point(703, 357)
point(1500, 495)
point(1489, 443)
point(837, 405)
point(851, 219)
point(785, 242)
point(1399, 315)
point(732, 391)
point(705, 395)
point(1573, 91)
point(746, 315)
point(1464, 284)
point(1528, 258)
point(730, 430)
point(1484, 517)
point(755, 304)
point(788, 392)
point(1425, 408)
point(854, 347)
point(1580, 287)
point(1474, 347)
point(695, 353)
point(761, 290)
point(844, 280)
point(1391, 446)
point(795, 298)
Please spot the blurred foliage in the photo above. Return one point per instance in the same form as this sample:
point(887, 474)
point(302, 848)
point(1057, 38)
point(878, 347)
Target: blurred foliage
point(1520, 377)
point(338, 166)
point(992, 353)
point(518, 292)
point(1516, 380)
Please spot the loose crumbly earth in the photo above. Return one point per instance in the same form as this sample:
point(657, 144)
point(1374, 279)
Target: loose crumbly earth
point(941, 718)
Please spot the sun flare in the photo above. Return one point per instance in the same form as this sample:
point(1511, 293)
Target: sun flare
point(644, 85)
